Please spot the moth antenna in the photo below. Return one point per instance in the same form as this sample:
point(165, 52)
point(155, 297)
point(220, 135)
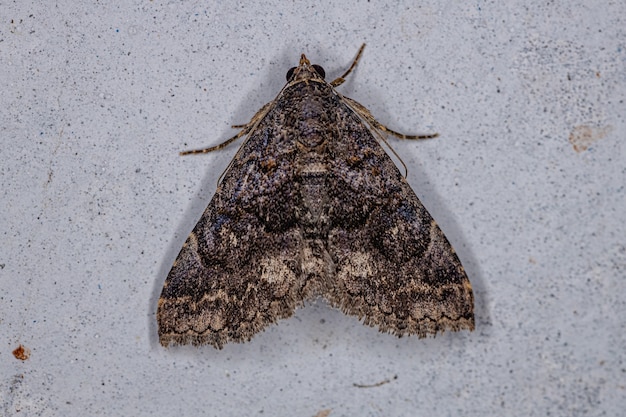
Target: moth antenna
point(384, 139)
point(340, 80)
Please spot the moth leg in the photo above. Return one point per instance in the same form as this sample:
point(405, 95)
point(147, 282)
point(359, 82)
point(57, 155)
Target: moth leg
point(338, 81)
point(369, 118)
point(363, 112)
point(245, 129)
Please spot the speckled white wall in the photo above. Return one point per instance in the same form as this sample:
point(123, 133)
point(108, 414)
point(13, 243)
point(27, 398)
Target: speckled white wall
point(526, 180)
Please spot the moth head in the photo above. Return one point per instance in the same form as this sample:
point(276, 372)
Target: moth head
point(305, 70)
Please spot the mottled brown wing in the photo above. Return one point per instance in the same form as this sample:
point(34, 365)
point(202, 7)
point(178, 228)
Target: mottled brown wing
point(239, 270)
point(394, 267)
point(312, 205)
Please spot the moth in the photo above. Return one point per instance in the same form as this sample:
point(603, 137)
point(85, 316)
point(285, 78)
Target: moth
point(312, 206)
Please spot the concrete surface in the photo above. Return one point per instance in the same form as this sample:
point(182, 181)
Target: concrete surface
point(527, 180)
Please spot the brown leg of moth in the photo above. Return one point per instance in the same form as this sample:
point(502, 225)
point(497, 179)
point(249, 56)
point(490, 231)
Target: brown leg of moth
point(245, 129)
point(365, 113)
point(378, 128)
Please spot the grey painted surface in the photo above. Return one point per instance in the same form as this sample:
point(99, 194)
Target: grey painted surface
point(527, 181)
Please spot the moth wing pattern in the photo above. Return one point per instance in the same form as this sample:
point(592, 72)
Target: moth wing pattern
point(311, 206)
point(238, 271)
point(394, 266)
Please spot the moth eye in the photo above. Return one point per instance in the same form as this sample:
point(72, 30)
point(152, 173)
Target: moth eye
point(320, 71)
point(290, 73)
